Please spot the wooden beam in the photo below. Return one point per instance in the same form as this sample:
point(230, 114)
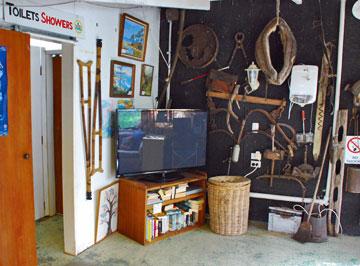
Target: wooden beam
point(248, 99)
point(184, 4)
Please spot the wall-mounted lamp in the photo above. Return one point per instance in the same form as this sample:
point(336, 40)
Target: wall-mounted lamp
point(252, 77)
point(356, 9)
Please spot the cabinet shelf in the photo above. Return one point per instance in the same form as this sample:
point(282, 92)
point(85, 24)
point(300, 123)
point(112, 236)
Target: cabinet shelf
point(172, 233)
point(172, 201)
point(133, 206)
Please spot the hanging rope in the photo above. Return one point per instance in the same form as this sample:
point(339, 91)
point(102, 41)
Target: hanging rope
point(277, 12)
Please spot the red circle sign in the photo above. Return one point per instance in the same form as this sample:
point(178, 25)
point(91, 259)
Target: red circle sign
point(353, 145)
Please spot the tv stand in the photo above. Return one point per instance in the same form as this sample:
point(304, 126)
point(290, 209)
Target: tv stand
point(133, 207)
point(163, 177)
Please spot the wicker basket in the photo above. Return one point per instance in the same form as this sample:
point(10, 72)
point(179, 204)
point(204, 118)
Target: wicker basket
point(229, 204)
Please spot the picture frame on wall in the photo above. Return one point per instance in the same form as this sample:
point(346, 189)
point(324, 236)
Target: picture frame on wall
point(122, 79)
point(107, 211)
point(147, 74)
point(133, 36)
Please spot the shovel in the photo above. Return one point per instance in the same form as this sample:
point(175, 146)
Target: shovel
point(304, 233)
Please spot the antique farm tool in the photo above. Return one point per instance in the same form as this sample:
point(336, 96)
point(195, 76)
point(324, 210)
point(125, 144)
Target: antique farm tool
point(321, 99)
point(175, 59)
point(86, 129)
point(199, 46)
point(304, 137)
point(353, 180)
point(201, 76)
point(248, 99)
point(304, 233)
point(239, 45)
point(273, 154)
point(262, 50)
point(336, 169)
point(220, 81)
point(97, 110)
point(355, 90)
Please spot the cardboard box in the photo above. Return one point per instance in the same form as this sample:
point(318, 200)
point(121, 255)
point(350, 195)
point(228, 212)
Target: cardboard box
point(284, 220)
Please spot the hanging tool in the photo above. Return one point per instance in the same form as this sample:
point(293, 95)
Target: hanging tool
point(97, 111)
point(304, 233)
point(175, 59)
point(239, 44)
point(201, 76)
point(86, 131)
point(274, 154)
point(304, 138)
point(325, 75)
point(171, 15)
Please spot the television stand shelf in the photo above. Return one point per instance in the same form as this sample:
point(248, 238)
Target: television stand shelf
point(133, 206)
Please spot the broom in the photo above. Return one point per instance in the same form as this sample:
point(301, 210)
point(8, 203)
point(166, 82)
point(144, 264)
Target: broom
point(304, 233)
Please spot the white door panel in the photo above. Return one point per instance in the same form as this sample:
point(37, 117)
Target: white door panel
point(37, 93)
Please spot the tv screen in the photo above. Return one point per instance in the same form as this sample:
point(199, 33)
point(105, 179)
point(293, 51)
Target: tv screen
point(157, 140)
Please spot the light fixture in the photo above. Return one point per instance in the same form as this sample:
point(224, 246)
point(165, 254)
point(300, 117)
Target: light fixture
point(356, 9)
point(252, 77)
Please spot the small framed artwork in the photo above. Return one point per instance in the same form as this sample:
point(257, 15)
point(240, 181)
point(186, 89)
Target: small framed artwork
point(133, 35)
point(147, 73)
point(107, 211)
point(122, 77)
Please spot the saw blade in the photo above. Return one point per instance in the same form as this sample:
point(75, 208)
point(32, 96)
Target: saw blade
point(321, 101)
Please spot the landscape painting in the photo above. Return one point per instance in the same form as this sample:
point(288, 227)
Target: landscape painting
point(122, 76)
point(132, 37)
point(147, 73)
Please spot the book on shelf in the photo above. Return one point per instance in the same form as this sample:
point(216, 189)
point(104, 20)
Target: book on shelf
point(174, 217)
point(193, 190)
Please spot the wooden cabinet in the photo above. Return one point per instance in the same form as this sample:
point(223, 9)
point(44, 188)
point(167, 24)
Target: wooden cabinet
point(133, 204)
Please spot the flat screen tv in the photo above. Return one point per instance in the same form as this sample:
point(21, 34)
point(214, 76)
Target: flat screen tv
point(159, 140)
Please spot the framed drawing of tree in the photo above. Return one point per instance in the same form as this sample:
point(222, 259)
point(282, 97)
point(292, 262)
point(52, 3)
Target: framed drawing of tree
point(133, 34)
point(106, 219)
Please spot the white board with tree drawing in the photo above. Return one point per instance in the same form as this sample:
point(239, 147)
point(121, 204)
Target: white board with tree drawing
point(106, 221)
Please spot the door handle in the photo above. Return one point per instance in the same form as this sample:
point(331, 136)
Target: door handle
point(26, 156)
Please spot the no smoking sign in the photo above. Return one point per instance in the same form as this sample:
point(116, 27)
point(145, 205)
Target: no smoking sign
point(352, 151)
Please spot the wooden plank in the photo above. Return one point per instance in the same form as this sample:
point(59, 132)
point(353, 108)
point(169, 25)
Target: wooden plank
point(183, 4)
point(337, 173)
point(57, 75)
point(248, 99)
point(172, 233)
point(17, 237)
point(131, 219)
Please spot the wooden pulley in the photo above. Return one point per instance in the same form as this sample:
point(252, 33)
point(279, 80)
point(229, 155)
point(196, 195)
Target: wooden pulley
point(199, 46)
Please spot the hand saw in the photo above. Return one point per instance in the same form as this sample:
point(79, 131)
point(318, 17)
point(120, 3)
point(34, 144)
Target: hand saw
point(321, 100)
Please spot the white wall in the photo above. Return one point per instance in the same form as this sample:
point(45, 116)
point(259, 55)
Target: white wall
point(100, 22)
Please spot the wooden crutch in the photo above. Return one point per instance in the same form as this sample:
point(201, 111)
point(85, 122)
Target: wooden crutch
point(97, 109)
point(86, 132)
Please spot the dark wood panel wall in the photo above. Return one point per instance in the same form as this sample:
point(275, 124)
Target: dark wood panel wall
point(227, 17)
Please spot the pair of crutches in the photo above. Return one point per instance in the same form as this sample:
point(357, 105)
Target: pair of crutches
point(90, 131)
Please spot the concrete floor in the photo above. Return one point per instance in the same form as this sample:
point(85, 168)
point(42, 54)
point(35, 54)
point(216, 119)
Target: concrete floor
point(198, 247)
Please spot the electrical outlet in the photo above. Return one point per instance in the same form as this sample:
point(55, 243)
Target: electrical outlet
point(255, 160)
point(255, 164)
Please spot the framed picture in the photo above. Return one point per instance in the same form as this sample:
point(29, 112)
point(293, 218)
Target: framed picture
point(147, 73)
point(122, 77)
point(107, 211)
point(133, 35)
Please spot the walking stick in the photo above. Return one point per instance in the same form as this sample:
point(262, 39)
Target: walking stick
point(86, 132)
point(97, 110)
